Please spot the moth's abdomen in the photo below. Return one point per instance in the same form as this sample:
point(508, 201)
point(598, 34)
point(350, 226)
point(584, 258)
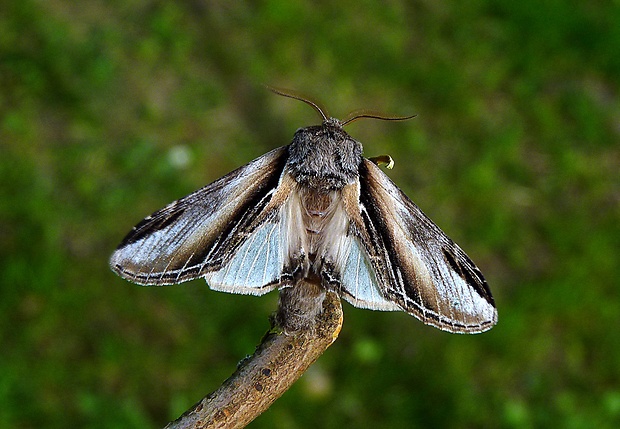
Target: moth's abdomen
point(317, 210)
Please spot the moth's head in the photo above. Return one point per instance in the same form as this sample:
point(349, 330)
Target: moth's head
point(332, 123)
point(325, 157)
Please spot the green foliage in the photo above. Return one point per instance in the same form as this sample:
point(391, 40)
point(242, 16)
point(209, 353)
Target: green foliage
point(110, 110)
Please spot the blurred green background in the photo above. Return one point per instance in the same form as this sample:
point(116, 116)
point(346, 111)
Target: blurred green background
point(111, 109)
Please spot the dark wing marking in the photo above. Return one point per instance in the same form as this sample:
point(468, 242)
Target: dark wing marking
point(345, 264)
point(416, 265)
point(197, 236)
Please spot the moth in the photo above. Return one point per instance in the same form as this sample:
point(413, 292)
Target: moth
point(315, 209)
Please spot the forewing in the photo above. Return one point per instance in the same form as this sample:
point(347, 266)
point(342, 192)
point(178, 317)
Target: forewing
point(202, 234)
point(416, 265)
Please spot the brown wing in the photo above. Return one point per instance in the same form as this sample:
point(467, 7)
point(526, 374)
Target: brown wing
point(416, 265)
point(199, 234)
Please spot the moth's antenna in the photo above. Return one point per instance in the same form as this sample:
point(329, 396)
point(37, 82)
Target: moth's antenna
point(291, 94)
point(359, 114)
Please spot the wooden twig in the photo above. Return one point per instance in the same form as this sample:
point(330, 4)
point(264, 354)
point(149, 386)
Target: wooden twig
point(283, 355)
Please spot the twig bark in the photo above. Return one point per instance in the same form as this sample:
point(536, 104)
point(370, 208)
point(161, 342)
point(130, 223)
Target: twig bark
point(283, 355)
